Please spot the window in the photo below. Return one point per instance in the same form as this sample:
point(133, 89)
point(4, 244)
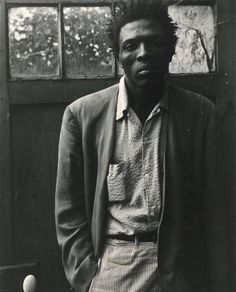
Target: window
point(86, 49)
point(34, 41)
point(41, 47)
point(70, 41)
point(195, 50)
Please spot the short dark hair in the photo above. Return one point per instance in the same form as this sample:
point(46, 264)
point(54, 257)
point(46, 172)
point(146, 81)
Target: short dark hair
point(141, 9)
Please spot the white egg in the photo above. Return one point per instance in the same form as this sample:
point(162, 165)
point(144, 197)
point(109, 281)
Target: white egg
point(29, 284)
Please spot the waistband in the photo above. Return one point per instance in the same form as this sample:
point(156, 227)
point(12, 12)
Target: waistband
point(141, 237)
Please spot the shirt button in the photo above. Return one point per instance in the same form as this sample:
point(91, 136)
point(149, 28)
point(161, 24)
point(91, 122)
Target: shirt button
point(146, 175)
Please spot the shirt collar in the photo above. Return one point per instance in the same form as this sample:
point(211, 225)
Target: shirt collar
point(122, 101)
point(123, 104)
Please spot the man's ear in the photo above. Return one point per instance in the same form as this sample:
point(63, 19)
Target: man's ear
point(117, 58)
point(119, 63)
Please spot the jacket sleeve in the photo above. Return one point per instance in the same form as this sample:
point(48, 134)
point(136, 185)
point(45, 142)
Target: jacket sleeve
point(73, 230)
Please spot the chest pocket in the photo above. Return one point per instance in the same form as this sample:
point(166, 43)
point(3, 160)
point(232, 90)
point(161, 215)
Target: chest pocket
point(116, 182)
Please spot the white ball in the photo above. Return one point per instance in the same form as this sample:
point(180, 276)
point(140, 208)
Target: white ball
point(29, 284)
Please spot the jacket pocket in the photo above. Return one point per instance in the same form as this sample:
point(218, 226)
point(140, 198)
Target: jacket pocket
point(116, 182)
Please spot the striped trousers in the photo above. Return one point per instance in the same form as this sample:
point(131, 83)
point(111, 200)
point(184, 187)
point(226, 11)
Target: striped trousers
point(127, 267)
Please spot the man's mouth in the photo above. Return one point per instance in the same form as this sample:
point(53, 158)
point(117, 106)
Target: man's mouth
point(145, 70)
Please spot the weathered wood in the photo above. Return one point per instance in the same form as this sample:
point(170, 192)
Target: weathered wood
point(104, 2)
point(53, 91)
point(227, 123)
point(67, 2)
point(35, 134)
point(6, 246)
point(68, 90)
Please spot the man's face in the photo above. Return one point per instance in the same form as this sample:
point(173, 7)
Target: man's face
point(144, 54)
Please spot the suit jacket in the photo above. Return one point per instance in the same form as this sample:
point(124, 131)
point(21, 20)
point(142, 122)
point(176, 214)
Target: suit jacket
point(190, 233)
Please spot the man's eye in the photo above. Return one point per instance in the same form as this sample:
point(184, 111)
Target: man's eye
point(129, 46)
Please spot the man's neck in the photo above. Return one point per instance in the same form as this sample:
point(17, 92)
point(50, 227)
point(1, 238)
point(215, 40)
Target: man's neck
point(143, 100)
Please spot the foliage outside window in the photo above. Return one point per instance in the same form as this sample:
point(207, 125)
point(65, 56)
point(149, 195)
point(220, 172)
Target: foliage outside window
point(86, 47)
point(33, 41)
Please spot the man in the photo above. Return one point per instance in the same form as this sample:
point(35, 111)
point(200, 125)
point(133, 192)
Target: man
point(135, 191)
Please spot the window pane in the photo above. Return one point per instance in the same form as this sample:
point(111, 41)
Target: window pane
point(33, 42)
point(195, 51)
point(86, 48)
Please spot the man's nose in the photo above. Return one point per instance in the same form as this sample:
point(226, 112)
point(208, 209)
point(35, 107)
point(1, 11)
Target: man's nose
point(143, 52)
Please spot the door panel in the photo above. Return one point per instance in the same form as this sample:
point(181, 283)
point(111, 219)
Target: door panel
point(34, 136)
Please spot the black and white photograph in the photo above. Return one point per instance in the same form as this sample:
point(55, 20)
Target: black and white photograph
point(117, 146)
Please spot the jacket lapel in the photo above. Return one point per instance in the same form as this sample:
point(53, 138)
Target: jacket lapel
point(107, 138)
point(105, 146)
